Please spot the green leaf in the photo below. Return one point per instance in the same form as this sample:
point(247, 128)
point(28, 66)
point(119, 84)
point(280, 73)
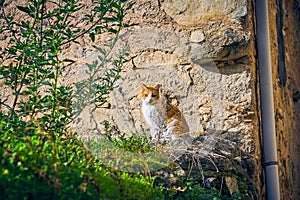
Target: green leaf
point(88, 17)
point(25, 9)
point(115, 31)
point(92, 36)
point(51, 75)
point(69, 60)
point(45, 83)
point(130, 5)
point(7, 82)
point(2, 2)
point(110, 19)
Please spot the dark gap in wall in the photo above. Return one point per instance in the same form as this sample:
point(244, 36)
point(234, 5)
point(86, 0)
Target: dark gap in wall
point(281, 68)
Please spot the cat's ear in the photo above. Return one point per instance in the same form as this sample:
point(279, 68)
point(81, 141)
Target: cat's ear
point(144, 87)
point(157, 86)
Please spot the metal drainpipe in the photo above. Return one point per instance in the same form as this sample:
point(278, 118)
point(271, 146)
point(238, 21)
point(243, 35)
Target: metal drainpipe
point(267, 104)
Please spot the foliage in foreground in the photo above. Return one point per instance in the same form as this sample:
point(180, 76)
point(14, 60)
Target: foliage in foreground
point(36, 165)
point(40, 158)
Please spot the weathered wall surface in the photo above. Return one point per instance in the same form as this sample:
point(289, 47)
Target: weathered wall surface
point(201, 58)
point(202, 53)
point(285, 31)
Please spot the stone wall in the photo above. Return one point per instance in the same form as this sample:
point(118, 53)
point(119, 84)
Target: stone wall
point(202, 53)
point(200, 58)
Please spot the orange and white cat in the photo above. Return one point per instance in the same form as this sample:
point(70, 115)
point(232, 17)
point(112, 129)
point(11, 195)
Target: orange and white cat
point(164, 120)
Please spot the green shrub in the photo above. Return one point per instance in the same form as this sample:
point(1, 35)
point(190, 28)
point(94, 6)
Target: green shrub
point(135, 143)
point(40, 157)
point(35, 165)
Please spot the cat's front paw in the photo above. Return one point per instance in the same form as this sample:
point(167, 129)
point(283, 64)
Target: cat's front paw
point(154, 139)
point(165, 137)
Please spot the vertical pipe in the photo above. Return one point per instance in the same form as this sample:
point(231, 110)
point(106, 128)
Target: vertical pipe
point(267, 104)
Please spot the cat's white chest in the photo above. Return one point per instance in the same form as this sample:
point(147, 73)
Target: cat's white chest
point(154, 115)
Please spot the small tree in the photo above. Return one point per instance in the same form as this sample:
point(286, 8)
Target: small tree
point(33, 65)
point(38, 155)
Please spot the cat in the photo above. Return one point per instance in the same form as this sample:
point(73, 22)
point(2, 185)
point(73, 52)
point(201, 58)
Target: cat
point(165, 120)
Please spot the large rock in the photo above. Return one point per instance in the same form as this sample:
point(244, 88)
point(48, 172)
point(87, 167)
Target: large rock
point(194, 12)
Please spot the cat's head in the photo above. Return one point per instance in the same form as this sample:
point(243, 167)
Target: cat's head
point(150, 95)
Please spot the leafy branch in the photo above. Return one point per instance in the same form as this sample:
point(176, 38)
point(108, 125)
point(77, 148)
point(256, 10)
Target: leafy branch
point(33, 55)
